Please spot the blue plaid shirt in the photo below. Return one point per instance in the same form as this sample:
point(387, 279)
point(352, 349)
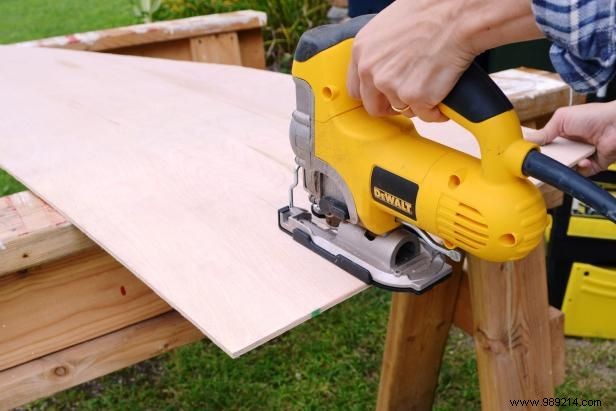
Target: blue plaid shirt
point(583, 33)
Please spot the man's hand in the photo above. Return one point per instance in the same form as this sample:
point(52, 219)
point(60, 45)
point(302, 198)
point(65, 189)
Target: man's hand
point(413, 52)
point(593, 123)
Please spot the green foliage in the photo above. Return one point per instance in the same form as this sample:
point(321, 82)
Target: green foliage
point(8, 185)
point(287, 20)
point(145, 9)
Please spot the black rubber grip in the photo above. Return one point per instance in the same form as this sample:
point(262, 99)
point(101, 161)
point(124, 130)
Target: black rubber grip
point(565, 179)
point(476, 96)
point(321, 38)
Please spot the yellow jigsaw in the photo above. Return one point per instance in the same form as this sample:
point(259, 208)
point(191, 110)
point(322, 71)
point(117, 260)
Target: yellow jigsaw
point(379, 190)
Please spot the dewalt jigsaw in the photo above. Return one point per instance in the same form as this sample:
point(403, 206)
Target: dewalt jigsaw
point(379, 191)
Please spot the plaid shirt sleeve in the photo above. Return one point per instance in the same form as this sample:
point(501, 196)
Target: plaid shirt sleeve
point(583, 33)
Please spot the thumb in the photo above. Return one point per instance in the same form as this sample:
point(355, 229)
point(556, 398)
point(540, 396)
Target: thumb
point(555, 126)
point(536, 136)
point(550, 131)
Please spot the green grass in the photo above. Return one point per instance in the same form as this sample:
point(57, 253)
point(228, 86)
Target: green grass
point(22, 20)
point(8, 185)
point(331, 362)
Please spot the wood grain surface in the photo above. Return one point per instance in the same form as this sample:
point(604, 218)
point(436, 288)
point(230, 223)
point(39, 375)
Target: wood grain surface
point(160, 31)
point(416, 335)
point(511, 330)
point(94, 358)
point(177, 170)
point(67, 302)
point(31, 233)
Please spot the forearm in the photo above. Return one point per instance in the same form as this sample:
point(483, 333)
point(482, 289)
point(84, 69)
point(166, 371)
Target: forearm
point(489, 24)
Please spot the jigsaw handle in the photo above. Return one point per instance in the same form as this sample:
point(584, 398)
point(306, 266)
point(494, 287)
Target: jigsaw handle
point(479, 105)
point(476, 97)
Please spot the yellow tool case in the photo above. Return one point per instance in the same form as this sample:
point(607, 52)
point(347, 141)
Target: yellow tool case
point(590, 301)
point(582, 265)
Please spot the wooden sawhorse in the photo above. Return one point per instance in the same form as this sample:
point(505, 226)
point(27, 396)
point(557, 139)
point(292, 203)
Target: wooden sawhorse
point(519, 339)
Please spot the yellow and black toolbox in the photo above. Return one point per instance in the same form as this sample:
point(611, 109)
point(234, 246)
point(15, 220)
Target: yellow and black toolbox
point(582, 265)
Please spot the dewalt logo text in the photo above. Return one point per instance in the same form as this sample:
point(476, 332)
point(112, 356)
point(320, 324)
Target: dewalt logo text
point(393, 201)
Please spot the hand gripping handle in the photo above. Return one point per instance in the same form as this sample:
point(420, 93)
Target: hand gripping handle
point(475, 102)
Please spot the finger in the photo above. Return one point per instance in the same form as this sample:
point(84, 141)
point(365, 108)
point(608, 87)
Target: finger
point(397, 106)
point(584, 167)
point(553, 127)
point(407, 112)
point(375, 102)
point(574, 123)
point(536, 136)
point(431, 115)
point(353, 80)
point(601, 161)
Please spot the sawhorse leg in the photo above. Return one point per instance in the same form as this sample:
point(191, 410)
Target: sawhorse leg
point(416, 336)
point(511, 331)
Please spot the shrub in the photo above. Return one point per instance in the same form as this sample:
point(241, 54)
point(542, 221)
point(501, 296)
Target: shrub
point(287, 20)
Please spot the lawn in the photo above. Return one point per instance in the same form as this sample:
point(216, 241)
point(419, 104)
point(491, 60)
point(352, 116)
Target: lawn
point(331, 362)
point(22, 20)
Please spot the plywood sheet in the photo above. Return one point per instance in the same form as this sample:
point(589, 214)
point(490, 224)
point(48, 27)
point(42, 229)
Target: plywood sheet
point(177, 170)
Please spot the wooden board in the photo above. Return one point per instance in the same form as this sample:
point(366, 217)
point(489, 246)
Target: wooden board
point(67, 302)
point(512, 331)
point(217, 48)
point(535, 94)
point(91, 359)
point(463, 319)
point(177, 170)
point(417, 332)
point(160, 31)
point(32, 233)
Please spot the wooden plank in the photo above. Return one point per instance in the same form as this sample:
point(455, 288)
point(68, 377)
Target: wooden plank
point(172, 50)
point(189, 205)
point(251, 48)
point(68, 302)
point(339, 3)
point(512, 333)
point(463, 319)
point(216, 48)
point(463, 313)
point(91, 359)
point(416, 336)
point(557, 343)
point(163, 31)
point(31, 233)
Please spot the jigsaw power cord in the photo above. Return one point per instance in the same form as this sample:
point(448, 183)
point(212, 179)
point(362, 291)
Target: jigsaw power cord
point(558, 175)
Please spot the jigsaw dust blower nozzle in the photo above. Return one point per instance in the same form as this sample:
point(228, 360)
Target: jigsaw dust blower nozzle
point(550, 171)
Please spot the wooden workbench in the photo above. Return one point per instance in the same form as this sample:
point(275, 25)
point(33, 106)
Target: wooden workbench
point(108, 319)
